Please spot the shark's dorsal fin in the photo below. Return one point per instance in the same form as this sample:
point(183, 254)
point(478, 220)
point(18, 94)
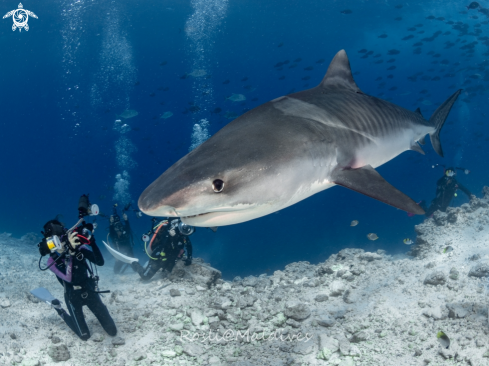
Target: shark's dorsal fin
point(339, 74)
point(418, 111)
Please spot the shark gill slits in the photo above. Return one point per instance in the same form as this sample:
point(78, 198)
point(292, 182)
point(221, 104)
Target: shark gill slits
point(217, 185)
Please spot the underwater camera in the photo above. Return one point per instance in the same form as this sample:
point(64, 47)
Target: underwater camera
point(57, 243)
point(85, 208)
point(53, 243)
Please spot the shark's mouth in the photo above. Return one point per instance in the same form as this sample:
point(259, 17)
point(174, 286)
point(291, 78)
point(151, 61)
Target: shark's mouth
point(202, 214)
point(224, 216)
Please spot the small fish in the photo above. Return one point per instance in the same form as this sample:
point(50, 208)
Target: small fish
point(226, 82)
point(393, 52)
point(298, 60)
point(383, 36)
point(244, 79)
point(398, 6)
point(136, 83)
point(152, 94)
point(237, 97)
point(372, 236)
point(163, 63)
point(280, 44)
point(408, 241)
point(166, 115)
point(309, 68)
point(198, 73)
point(473, 5)
point(354, 223)
point(346, 11)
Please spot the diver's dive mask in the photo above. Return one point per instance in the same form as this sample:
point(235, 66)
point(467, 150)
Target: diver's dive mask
point(449, 173)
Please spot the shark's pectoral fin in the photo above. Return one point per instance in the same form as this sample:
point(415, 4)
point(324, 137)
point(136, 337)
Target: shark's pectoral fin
point(422, 140)
point(367, 181)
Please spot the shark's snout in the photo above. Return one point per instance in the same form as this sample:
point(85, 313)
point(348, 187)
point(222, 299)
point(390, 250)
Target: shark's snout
point(162, 211)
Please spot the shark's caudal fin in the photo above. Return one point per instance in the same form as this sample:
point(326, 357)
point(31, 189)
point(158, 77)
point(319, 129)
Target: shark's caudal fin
point(339, 74)
point(438, 119)
point(367, 181)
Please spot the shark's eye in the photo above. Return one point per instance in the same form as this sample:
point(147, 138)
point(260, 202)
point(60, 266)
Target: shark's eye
point(218, 185)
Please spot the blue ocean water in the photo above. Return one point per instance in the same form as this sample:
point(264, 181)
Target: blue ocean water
point(82, 63)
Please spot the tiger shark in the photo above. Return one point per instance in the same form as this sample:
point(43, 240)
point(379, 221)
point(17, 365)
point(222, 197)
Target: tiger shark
point(292, 147)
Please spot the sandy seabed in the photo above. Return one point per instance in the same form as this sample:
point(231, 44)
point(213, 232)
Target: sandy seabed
point(356, 308)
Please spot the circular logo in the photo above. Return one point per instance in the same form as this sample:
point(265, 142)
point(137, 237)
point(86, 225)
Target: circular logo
point(20, 18)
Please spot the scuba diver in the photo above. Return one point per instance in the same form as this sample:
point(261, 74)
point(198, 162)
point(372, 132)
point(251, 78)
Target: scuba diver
point(169, 242)
point(120, 237)
point(71, 254)
point(446, 189)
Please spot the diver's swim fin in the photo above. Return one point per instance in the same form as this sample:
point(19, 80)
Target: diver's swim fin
point(119, 256)
point(43, 294)
point(367, 181)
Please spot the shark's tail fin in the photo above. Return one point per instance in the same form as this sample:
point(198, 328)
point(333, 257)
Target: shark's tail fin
point(438, 119)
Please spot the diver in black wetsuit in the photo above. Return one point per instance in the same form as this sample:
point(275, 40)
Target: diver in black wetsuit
point(120, 235)
point(446, 189)
point(69, 252)
point(168, 245)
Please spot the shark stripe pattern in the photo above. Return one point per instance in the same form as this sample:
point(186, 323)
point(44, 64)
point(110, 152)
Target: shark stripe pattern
point(292, 147)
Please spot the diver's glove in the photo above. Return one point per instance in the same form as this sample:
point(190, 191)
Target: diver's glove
point(188, 261)
point(74, 240)
point(172, 232)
